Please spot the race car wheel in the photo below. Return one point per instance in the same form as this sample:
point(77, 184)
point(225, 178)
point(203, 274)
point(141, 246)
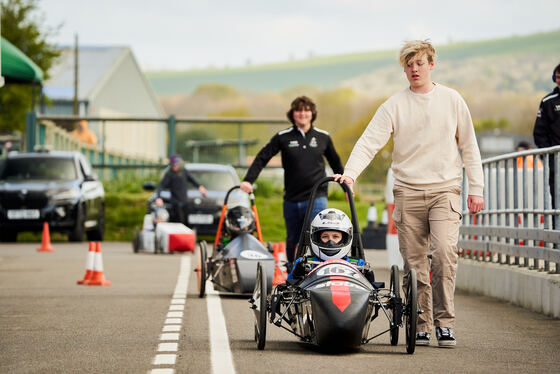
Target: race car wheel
point(259, 307)
point(411, 314)
point(201, 268)
point(395, 311)
point(136, 240)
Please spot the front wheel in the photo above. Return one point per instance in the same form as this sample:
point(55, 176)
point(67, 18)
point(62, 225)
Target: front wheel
point(259, 307)
point(79, 230)
point(411, 315)
point(201, 268)
point(396, 312)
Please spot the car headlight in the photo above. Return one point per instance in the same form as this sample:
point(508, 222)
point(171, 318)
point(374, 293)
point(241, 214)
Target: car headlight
point(66, 195)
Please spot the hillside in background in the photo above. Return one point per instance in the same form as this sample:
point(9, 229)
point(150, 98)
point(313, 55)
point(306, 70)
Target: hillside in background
point(502, 82)
point(516, 64)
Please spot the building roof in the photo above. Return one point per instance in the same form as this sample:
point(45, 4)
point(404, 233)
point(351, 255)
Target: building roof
point(93, 64)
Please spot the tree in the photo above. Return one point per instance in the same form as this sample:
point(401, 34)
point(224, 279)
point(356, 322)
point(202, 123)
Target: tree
point(20, 27)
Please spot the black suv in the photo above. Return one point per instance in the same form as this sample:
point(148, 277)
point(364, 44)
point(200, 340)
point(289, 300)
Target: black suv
point(55, 187)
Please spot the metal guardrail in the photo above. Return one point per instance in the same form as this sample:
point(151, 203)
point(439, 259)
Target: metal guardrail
point(519, 225)
point(102, 156)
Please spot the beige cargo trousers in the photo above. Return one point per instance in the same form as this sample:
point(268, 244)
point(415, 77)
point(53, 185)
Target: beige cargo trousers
point(428, 223)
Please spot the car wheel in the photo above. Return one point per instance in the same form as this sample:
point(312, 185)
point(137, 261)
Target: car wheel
point(8, 236)
point(77, 233)
point(98, 233)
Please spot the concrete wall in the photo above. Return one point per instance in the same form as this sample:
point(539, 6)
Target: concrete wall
point(538, 291)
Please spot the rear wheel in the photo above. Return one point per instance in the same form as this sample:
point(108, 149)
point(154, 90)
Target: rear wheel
point(411, 315)
point(396, 312)
point(201, 268)
point(259, 307)
point(8, 236)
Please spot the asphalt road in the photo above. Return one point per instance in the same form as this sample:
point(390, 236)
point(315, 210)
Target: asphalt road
point(49, 324)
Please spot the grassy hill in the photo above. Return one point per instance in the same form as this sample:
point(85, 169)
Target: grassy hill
point(328, 72)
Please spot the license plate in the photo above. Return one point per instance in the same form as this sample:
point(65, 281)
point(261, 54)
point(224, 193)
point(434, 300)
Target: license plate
point(23, 213)
point(203, 219)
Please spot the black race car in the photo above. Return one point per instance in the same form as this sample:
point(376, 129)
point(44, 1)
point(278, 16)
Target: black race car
point(334, 302)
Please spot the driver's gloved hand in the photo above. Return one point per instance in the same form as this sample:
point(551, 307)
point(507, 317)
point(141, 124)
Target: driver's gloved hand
point(301, 269)
point(368, 273)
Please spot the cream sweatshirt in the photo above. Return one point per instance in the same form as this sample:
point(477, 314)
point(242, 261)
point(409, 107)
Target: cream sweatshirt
point(428, 132)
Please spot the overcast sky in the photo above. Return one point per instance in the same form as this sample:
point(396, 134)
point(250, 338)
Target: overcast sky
point(186, 34)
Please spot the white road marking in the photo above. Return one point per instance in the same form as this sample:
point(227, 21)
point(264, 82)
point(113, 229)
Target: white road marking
point(162, 371)
point(169, 336)
point(175, 315)
point(173, 321)
point(165, 359)
point(167, 347)
point(220, 353)
point(169, 328)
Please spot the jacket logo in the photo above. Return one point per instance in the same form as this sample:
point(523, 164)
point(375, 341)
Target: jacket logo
point(539, 113)
point(313, 142)
point(293, 144)
point(557, 108)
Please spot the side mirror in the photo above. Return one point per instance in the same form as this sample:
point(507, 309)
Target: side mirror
point(90, 178)
point(149, 186)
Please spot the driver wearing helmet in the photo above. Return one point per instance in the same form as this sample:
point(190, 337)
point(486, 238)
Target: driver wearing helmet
point(331, 237)
point(239, 219)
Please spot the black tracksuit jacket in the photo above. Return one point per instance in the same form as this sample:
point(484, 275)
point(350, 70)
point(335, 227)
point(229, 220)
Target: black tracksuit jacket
point(547, 126)
point(176, 183)
point(302, 160)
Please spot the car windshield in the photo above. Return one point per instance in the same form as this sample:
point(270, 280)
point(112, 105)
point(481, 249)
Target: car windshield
point(38, 168)
point(213, 180)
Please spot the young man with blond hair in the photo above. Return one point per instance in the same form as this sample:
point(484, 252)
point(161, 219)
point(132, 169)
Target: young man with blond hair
point(429, 123)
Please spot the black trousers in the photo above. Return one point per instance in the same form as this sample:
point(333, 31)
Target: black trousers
point(178, 213)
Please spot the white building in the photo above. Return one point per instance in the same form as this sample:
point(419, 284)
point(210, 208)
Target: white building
point(110, 84)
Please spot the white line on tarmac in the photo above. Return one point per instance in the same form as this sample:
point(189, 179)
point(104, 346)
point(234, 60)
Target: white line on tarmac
point(220, 353)
point(173, 321)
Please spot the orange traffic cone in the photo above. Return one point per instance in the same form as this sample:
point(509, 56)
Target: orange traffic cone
point(89, 264)
point(46, 240)
point(98, 277)
point(279, 253)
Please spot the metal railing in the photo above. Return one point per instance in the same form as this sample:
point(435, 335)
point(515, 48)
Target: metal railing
point(42, 134)
point(519, 224)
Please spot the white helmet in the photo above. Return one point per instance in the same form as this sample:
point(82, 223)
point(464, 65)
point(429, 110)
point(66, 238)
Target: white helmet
point(331, 219)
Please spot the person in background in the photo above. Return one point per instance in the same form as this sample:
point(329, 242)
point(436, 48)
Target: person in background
point(429, 123)
point(547, 129)
point(83, 133)
point(525, 146)
point(175, 180)
point(302, 147)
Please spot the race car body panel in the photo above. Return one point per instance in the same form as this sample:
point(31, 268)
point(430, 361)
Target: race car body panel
point(235, 266)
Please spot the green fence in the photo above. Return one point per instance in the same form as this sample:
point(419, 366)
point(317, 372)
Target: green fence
point(42, 131)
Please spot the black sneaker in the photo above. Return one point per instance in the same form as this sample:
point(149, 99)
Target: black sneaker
point(444, 337)
point(422, 338)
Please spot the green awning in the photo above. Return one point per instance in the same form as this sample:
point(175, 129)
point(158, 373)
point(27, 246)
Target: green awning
point(17, 67)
